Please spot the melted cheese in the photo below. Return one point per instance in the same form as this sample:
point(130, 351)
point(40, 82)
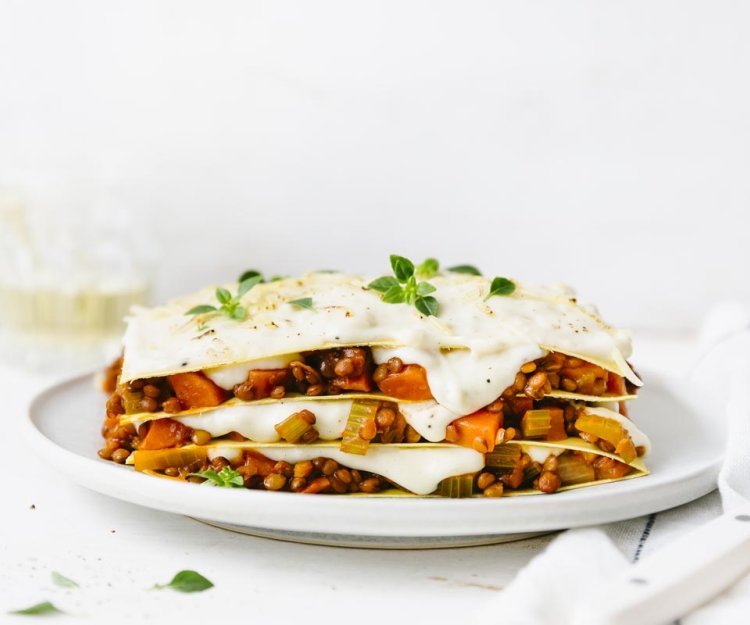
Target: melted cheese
point(464, 380)
point(257, 421)
point(471, 351)
point(418, 470)
point(428, 418)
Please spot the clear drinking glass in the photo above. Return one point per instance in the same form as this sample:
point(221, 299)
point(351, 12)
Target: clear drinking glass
point(71, 265)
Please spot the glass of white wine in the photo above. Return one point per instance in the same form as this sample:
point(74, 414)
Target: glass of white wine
point(69, 272)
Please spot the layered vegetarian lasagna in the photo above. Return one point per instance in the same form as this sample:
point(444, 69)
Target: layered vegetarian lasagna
point(423, 382)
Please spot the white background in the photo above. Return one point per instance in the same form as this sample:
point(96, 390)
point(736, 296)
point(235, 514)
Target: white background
point(604, 144)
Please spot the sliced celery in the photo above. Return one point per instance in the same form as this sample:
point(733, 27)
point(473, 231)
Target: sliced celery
point(362, 413)
point(457, 487)
point(546, 423)
point(573, 469)
point(293, 428)
point(504, 457)
point(608, 429)
point(530, 473)
point(536, 423)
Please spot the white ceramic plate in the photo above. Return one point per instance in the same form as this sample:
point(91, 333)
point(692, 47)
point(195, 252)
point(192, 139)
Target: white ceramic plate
point(64, 421)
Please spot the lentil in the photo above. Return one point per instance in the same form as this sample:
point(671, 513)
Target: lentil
point(171, 405)
point(385, 418)
point(344, 476)
point(149, 404)
point(485, 479)
point(494, 490)
point(200, 437)
point(274, 481)
point(395, 365)
point(368, 430)
point(329, 467)
point(370, 485)
point(380, 373)
point(548, 482)
point(151, 391)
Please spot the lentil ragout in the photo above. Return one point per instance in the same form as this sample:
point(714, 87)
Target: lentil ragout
point(351, 370)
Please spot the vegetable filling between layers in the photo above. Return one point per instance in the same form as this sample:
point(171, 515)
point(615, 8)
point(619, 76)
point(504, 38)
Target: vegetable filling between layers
point(455, 387)
point(527, 410)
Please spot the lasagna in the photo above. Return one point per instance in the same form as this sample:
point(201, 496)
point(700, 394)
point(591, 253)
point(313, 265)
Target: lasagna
point(424, 382)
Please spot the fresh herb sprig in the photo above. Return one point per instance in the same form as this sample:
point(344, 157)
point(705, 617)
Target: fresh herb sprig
point(404, 287)
point(501, 286)
point(45, 607)
point(429, 268)
point(60, 580)
point(467, 269)
point(229, 304)
point(227, 477)
point(187, 581)
point(304, 303)
point(252, 273)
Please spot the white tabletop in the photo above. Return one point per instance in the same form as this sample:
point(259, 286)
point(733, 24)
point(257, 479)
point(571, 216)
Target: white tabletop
point(117, 551)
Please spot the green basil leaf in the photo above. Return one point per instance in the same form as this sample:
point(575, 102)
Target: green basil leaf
point(199, 310)
point(227, 477)
point(383, 283)
point(425, 288)
point(231, 478)
point(250, 273)
point(248, 284)
point(469, 269)
point(40, 608)
point(60, 580)
point(305, 303)
point(276, 278)
point(210, 475)
point(403, 268)
point(239, 313)
point(223, 295)
point(501, 286)
point(427, 306)
point(187, 581)
point(429, 268)
point(394, 295)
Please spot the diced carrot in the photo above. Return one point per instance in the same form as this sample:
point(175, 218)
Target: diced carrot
point(557, 430)
point(263, 381)
point(609, 469)
point(477, 430)
point(616, 384)
point(260, 464)
point(164, 433)
point(195, 390)
point(517, 406)
point(361, 382)
point(409, 383)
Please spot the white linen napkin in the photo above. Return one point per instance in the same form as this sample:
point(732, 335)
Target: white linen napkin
point(548, 590)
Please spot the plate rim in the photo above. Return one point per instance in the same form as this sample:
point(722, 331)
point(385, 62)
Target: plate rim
point(291, 512)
